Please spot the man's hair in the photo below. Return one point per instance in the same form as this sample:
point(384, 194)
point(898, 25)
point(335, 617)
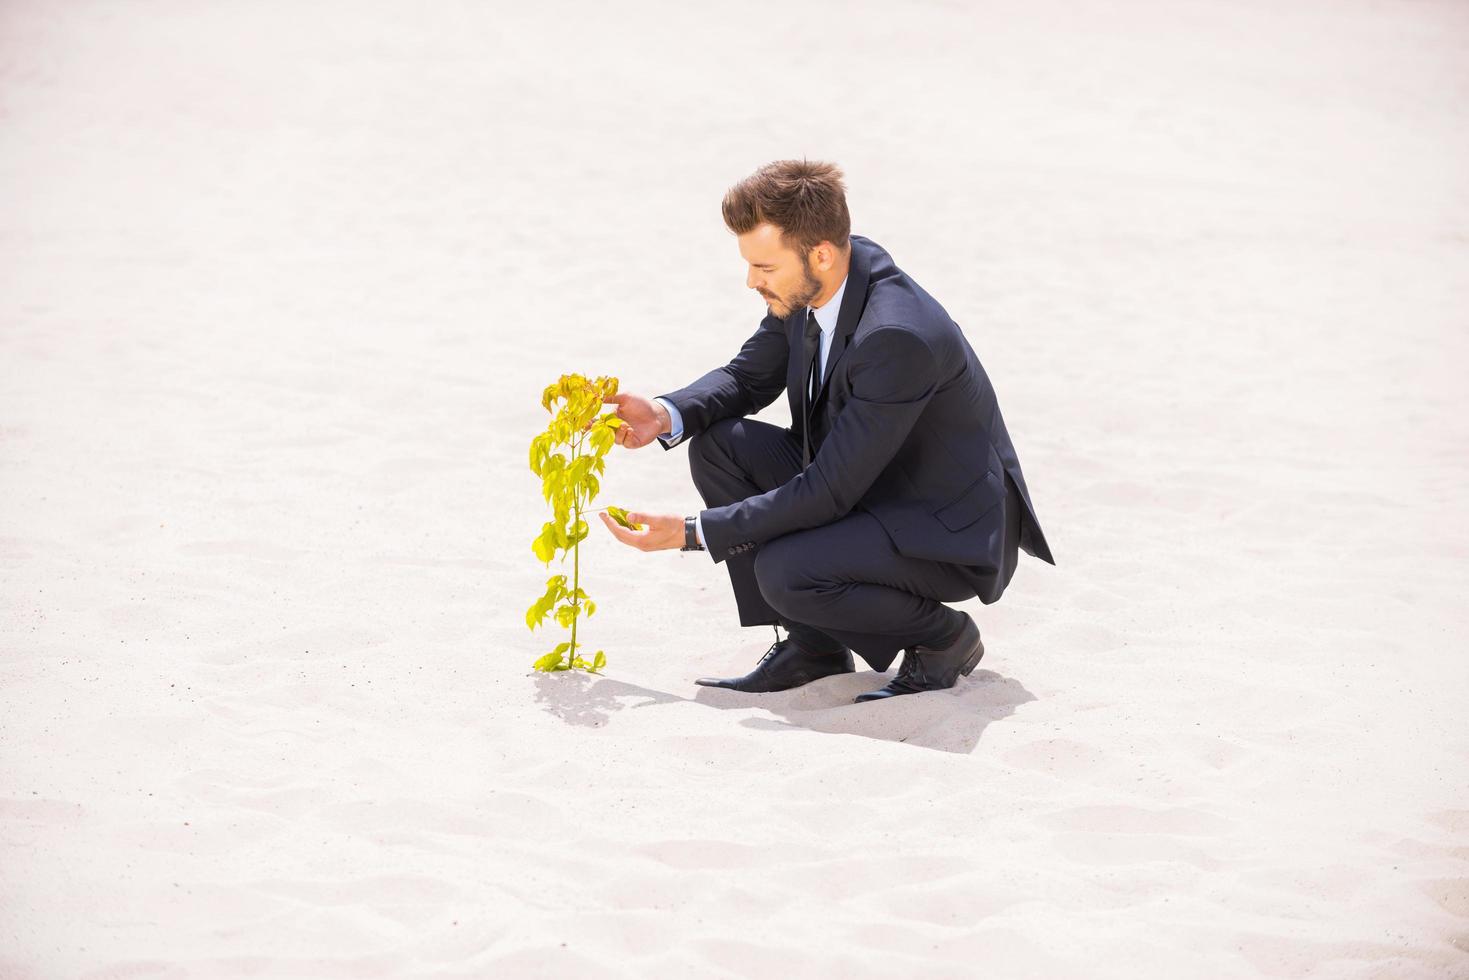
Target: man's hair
point(805, 199)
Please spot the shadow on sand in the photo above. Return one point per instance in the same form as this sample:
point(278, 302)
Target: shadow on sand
point(949, 721)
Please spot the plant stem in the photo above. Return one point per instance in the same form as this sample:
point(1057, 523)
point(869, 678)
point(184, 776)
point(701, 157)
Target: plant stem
point(575, 559)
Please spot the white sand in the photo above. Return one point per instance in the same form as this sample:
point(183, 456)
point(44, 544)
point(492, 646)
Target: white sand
point(280, 285)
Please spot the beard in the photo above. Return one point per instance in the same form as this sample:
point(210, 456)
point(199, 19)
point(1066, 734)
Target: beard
point(810, 288)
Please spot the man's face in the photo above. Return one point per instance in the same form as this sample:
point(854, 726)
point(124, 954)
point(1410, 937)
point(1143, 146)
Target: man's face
point(779, 274)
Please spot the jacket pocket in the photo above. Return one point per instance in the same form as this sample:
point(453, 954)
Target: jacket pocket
point(976, 500)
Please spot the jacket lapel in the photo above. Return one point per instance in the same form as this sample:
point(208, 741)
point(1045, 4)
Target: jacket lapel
point(854, 300)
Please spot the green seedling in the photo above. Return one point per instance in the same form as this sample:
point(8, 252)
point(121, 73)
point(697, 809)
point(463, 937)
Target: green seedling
point(569, 483)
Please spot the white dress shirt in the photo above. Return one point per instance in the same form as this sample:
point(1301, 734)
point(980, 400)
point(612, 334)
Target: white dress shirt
point(826, 318)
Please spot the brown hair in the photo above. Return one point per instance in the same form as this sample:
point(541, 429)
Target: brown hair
point(805, 199)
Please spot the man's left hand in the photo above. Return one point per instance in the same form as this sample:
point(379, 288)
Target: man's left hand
point(660, 531)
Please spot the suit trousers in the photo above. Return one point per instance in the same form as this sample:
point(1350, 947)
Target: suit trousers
point(840, 585)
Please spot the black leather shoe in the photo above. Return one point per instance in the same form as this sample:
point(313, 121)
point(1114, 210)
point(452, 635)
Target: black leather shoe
point(785, 665)
point(926, 669)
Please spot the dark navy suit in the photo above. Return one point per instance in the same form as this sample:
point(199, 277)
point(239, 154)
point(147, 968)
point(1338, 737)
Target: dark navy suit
point(914, 495)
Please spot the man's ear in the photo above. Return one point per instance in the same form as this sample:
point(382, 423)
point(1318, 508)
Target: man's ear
point(823, 256)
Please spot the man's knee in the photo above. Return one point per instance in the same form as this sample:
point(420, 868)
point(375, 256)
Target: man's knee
point(777, 575)
point(713, 440)
point(710, 447)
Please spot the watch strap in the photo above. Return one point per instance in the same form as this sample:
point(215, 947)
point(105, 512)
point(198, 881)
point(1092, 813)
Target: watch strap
point(691, 535)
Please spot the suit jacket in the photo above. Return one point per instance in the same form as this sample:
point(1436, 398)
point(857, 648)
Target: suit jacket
point(906, 427)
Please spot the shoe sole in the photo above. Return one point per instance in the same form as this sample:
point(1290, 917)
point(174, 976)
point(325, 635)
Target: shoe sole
point(731, 683)
point(970, 663)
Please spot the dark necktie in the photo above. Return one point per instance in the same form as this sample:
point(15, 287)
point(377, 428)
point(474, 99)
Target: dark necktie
point(811, 350)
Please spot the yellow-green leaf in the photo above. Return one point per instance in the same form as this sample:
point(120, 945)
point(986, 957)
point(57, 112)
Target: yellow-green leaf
point(548, 662)
point(537, 453)
point(599, 661)
point(553, 484)
point(535, 614)
point(550, 538)
point(602, 440)
point(579, 532)
point(620, 516)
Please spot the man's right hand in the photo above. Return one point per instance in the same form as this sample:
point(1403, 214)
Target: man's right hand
point(645, 419)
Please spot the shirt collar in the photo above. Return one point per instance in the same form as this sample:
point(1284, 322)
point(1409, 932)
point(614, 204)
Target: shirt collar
point(826, 317)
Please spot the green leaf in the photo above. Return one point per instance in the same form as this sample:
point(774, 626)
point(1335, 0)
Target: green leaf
point(538, 453)
point(545, 545)
point(576, 474)
point(591, 607)
point(555, 589)
point(579, 532)
point(548, 662)
point(566, 615)
point(602, 440)
point(620, 516)
point(599, 661)
point(536, 614)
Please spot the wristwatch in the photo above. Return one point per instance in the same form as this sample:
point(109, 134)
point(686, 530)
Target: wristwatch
point(691, 536)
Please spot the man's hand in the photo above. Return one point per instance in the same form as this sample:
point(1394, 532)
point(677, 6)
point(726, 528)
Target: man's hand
point(645, 420)
point(660, 531)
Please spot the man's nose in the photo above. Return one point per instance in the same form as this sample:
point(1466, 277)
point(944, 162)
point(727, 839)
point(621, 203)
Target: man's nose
point(751, 281)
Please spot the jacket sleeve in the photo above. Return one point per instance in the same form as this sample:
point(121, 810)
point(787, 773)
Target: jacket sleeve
point(893, 374)
point(748, 383)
